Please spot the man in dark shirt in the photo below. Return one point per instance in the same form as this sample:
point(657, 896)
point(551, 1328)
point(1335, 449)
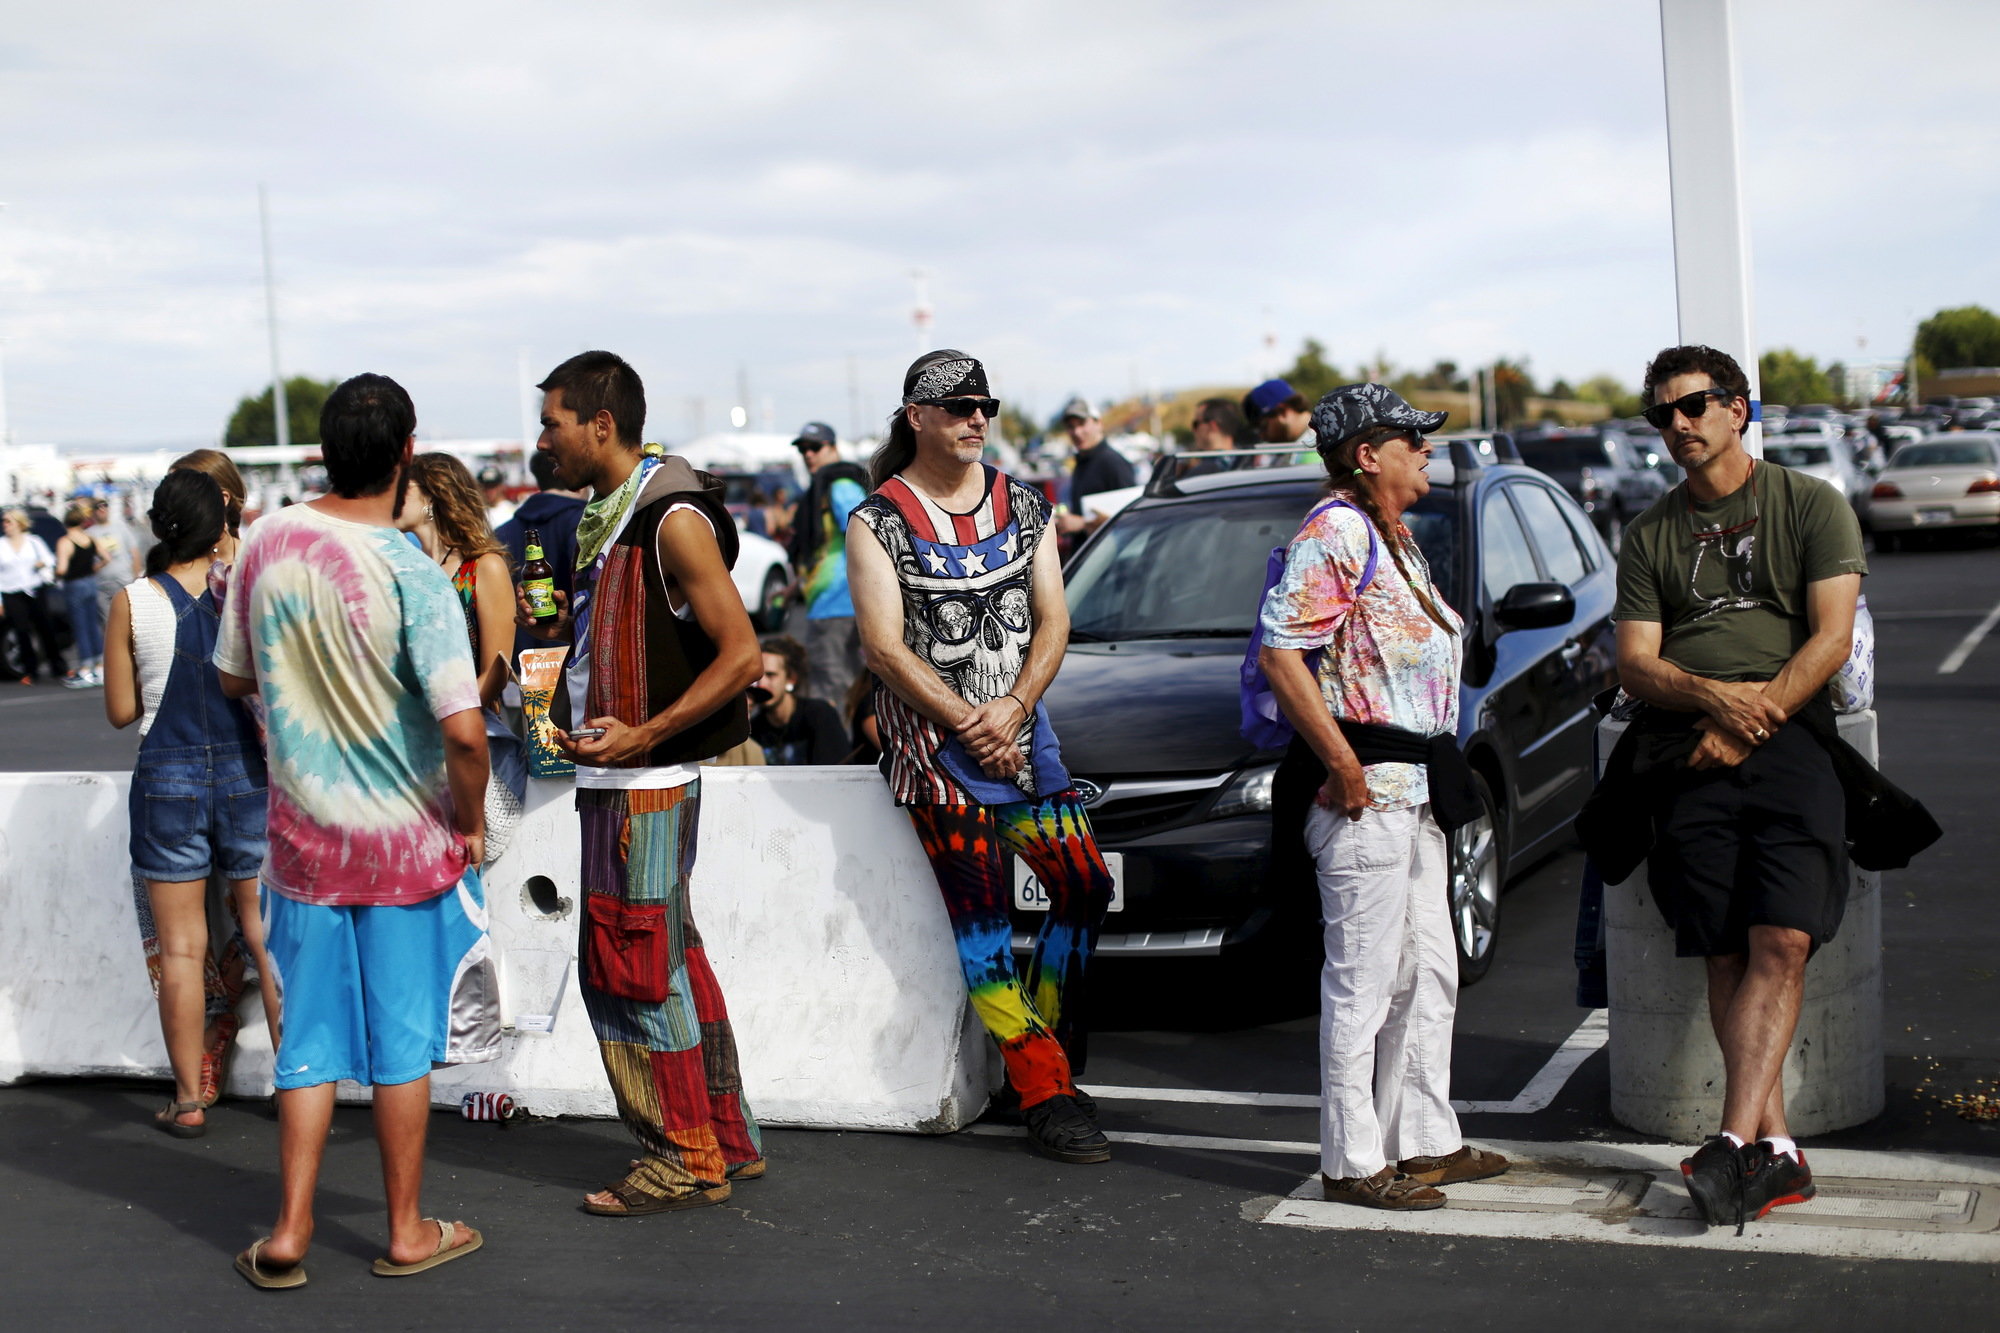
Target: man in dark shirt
point(552, 513)
point(791, 727)
point(1736, 597)
point(1098, 468)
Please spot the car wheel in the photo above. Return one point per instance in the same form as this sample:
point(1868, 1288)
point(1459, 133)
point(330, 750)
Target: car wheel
point(1478, 871)
point(771, 602)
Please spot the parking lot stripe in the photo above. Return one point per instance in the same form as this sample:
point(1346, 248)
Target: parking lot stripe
point(1970, 642)
point(1294, 1147)
point(1541, 1092)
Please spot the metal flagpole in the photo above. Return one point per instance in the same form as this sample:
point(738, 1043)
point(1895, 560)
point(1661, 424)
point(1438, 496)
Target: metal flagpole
point(1705, 170)
point(279, 409)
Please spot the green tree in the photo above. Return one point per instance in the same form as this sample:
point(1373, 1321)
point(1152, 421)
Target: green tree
point(1513, 386)
point(1786, 377)
point(253, 421)
point(1605, 389)
point(1967, 335)
point(1311, 375)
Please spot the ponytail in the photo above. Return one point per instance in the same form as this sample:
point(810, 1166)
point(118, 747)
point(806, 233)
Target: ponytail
point(188, 516)
point(898, 450)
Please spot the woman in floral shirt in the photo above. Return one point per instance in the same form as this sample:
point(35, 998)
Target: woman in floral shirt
point(1363, 656)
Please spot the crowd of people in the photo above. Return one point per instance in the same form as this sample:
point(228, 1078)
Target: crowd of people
point(322, 701)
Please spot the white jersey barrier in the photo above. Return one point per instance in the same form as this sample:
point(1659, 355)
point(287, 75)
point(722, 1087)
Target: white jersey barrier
point(812, 894)
point(1666, 1070)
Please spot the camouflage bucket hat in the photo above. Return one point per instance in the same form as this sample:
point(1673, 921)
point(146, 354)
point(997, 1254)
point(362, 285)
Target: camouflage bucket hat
point(1353, 408)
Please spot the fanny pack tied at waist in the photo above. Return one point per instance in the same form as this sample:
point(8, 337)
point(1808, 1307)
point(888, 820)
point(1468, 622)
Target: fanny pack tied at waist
point(1454, 791)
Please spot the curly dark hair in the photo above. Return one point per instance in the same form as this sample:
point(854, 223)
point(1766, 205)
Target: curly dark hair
point(794, 653)
point(1695, 359)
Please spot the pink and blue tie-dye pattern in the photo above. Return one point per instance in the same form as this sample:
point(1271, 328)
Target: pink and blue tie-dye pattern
point(356, 642)
point(1386, 660)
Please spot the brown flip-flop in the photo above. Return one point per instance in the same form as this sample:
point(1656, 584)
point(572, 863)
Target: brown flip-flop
point(443, 1254)
point(252, 1268)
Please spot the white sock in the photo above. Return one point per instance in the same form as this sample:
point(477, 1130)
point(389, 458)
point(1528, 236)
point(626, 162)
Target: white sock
point(1734, 1142)
point(1781, 1145)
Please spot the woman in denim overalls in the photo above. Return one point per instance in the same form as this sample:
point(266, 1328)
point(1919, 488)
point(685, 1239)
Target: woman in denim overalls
point(198, 799)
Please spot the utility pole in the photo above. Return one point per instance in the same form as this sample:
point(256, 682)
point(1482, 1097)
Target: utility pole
point(279, 409)
point(853, 397)
point(1704, 164)
point(921, 314)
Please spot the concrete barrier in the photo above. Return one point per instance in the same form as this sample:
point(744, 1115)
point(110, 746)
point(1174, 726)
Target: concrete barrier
point(814, 898)
point(1666, 1070)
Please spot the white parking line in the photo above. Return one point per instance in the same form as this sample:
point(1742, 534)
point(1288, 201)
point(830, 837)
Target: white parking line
point(1966, 645)
point(1540, 1093)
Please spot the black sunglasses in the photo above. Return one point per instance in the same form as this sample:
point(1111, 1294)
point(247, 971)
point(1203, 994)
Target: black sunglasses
point(1661, 415)
point(965, 407)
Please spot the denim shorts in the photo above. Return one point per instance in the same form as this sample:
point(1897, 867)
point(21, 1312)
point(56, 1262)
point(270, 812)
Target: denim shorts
point(380, 994)
point(196, 809)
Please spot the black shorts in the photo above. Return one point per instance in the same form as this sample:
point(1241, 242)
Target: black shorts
point(1762, 844)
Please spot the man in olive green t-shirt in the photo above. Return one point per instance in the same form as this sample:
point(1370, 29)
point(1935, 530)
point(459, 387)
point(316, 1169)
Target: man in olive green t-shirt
point(1736, 597)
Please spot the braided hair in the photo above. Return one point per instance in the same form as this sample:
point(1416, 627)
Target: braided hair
point(1345, 478)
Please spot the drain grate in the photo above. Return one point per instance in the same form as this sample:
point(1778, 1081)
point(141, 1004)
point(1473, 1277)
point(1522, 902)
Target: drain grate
point(1530, 1189)
point(1896, 1206)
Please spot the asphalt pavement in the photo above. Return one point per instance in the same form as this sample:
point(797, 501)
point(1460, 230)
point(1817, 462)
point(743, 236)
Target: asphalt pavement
point(108, 1224)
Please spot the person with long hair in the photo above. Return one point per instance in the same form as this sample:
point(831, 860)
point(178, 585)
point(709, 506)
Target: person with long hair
point(198, 789)
point(26, 563)
point(444, 509)
point(1363, 655)
point(78, 559)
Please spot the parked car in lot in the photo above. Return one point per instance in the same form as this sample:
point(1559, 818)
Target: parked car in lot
point(1805, 447)
point(1938, 484)
point(1603, 469)
point(762, 574)
point(1162, 600)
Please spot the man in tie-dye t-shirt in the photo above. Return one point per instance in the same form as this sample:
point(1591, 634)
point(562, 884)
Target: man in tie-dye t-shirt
point(373, 911)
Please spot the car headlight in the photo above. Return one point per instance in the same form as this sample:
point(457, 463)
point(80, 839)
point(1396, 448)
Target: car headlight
point(1248, 794)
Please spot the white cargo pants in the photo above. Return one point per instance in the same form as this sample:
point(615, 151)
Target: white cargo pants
point(1388, 992)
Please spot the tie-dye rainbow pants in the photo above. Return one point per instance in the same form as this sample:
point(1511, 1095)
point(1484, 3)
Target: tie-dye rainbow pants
point(1040, 1022)
point(672, 1063)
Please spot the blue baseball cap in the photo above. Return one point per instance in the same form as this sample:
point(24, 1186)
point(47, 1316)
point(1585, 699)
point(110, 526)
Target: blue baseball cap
point(1266, 397)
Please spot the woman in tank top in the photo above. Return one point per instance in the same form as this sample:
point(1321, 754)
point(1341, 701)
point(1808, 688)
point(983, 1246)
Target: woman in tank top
point(445, 512)
point(198, 788)
point(78, 558)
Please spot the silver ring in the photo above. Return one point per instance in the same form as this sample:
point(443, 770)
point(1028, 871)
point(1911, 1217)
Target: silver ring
point(1763, 734)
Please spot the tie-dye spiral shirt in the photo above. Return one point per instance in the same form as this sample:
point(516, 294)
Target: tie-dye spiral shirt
point(358, 648)
point(1386, 661)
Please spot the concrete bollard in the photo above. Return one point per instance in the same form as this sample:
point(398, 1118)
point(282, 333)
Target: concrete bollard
point(1666, 1070)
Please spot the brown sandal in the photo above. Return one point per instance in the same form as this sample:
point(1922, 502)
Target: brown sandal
point(635, 1202)
point(1387, 1188)
point(168, 1121)
point(1468, 1163)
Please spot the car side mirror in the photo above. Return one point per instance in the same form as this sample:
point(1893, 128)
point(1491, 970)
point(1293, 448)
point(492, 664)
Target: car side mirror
point(1535, 606)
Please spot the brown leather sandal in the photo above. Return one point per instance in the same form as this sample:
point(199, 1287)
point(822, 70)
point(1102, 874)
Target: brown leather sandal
point(169, 1121)
point(1387, 1188)
point(635, 1202)
point(1468, 1163)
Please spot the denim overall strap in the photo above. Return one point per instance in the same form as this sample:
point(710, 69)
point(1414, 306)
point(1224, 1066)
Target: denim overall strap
point(193, 711)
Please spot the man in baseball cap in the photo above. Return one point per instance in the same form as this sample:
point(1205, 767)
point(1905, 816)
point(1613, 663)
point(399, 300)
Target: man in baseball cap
point(1098, 467)
point(1279, 414)
point(493, 485)
point(818, 551)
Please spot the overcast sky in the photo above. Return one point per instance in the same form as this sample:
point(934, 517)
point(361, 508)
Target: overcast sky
point(1105, 196)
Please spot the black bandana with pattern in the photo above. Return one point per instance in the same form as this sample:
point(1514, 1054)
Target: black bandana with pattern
point(946, 373)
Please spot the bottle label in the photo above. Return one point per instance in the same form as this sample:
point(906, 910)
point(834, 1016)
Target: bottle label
point(541, 595)
point(531, 554)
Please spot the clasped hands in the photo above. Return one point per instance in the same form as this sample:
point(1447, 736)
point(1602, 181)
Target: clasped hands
point(991, 734)
point(1741, 717)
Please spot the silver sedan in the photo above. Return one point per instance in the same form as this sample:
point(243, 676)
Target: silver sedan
point(1936, 485)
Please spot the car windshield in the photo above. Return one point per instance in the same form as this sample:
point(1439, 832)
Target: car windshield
point(1197, 570)
point(1972, 453)
point(1798, 455)
point(1561, 452)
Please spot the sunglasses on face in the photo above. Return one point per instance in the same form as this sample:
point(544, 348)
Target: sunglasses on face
point(965, 407)
point(1661, 415)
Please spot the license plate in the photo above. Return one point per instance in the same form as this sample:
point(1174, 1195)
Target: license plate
point(1030, 896)
point(1926, 517)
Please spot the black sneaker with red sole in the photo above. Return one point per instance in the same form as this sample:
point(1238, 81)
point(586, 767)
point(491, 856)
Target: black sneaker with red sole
point(1774, 1179)
point(1714, 1178)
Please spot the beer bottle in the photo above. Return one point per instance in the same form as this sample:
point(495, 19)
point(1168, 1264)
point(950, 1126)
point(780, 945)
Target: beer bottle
point(538, 579)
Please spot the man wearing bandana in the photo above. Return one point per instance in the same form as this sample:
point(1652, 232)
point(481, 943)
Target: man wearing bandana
point(960, 604)
point(662, 652)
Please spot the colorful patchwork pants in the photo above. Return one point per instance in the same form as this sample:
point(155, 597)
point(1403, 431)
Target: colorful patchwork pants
point(671, 1062)
point(1042, 1026)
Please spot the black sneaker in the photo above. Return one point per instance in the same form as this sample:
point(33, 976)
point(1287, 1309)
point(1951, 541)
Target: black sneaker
point(1774, 1179)
point(1714, 1177)
point(1005, 1108)
point(1061, 1131)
